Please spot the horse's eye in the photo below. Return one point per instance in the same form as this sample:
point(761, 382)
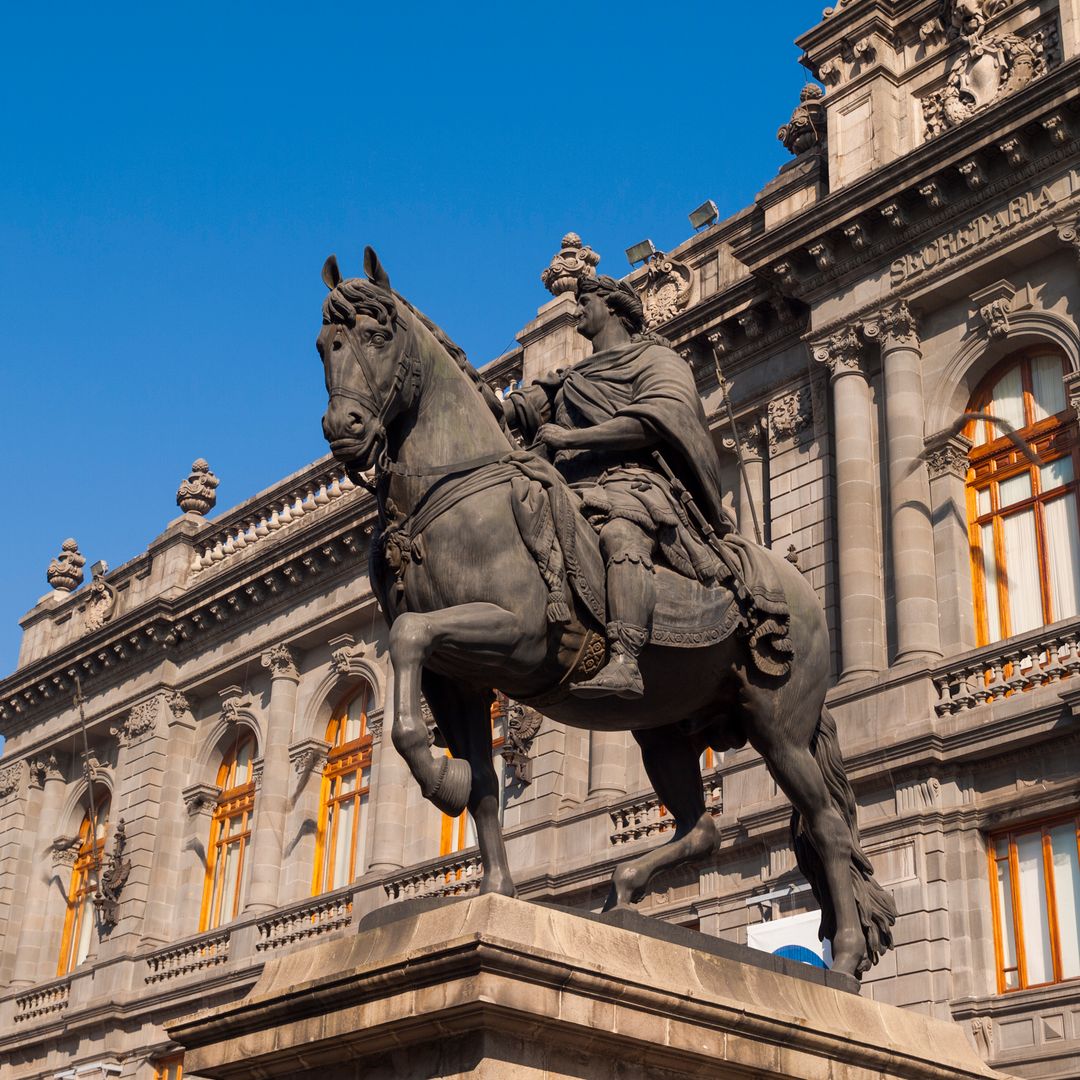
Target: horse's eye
point(378, 339)
point(337, 344)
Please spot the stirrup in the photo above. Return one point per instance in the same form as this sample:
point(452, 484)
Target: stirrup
point(618, 678)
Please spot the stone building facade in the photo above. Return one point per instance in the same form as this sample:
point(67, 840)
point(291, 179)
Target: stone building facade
point(916, 262)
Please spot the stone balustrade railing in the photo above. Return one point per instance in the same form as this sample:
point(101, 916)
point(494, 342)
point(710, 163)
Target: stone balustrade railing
point(200, 953)
point(43, 1001)
point(1008, 667)
point(318, 916)
point(456, 875)
point(247, 526)
point(645, 817)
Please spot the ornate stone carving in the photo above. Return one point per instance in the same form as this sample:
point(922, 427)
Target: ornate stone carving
point(990, 307)
point(982, 1028)
point(1068, 232)
point(973, 173)
point(666, 290)
point(65, 850)
point(1057, 128)
point(93, 768)
point(1072, 390)
point(895, 325)
point(308, 755)
point(114, 875)
point(856, 235)
point(11, 777)
point(842, 353)
point(966, 19)
point(281, 662)
point(946, 454)
point(806, 128)
point(574, 261)
point(42, 769)
point(821, 253)
point(789, 415)
point(375, 725)
point(935, 198)
point(178, 703)
point(101, 603)
point(987, 70)
point(522, 724)
point(894, 214)
point(784, 272)
point(753, 325)
point(198, 493)
point(751, 435)
point(138, 723)
point(200, 798)
point(1015, 150)
point(345, 661)
point(66, 570)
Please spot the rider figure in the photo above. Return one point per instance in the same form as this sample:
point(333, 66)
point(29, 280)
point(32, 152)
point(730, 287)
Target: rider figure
point(603, 419)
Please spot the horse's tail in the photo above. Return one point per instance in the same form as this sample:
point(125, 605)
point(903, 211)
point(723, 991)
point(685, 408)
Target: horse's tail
point(877, 911)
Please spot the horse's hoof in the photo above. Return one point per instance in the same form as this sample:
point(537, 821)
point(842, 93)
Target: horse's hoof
point(501, 886)
point(451, 794)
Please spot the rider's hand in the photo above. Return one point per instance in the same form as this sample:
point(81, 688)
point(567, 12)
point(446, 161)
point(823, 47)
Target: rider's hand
point(555, 437)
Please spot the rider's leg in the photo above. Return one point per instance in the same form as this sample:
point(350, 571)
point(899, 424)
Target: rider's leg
point(631, 596)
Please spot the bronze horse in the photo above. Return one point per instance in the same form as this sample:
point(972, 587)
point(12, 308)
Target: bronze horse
point(467, 612)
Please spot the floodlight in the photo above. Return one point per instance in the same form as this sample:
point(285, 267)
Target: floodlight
point(705, 215)
point(99, 569)
point(640, 253)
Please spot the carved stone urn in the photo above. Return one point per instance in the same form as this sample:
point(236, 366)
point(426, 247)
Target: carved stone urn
point(65, 572)
point(197, 493)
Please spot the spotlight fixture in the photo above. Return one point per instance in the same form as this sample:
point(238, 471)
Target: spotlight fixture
point(704, 216)
point(99, 569)
point(639, 253)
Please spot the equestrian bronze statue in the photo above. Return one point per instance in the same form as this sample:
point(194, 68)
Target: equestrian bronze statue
point(594, 576)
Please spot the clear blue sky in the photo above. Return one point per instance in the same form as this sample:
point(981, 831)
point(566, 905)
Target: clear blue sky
point(175, 176)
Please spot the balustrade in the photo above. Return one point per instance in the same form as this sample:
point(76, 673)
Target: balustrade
point(458, 875)
point(196, 955)
point(43, 1001)
point(315, 917)
point(249, 526)
point(645, 817)
point(1008, 667)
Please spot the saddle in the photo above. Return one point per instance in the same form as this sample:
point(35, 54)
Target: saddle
point(687, 614)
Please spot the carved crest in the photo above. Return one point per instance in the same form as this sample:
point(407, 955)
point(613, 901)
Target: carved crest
point(101, 604)
point(666, 292)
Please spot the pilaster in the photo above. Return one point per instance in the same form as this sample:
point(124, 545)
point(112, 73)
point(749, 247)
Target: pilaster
point(19, 806)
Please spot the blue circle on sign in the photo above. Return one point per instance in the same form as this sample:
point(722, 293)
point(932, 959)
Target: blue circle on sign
point(800, 953)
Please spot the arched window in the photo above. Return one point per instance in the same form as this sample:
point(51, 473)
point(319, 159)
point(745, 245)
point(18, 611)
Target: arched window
point(79, 919)
point(230, 832)
point(459, 833)
point(343, 813)
point(1024, 529)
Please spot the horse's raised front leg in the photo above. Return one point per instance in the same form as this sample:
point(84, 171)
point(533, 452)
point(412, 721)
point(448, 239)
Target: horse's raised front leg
point(484, 631)
point(673, 766)
point(464, 717)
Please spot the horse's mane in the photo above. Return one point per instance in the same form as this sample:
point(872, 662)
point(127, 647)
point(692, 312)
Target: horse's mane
point(357, 296)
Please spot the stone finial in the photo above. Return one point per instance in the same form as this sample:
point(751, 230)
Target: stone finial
point(806, 128)
point(573, 262)
point(197, 493)
point(66, 570)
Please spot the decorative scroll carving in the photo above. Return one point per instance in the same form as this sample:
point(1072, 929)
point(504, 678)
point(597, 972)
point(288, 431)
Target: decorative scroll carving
point(574, 262)
point(281, 662)
point(65, 572)
point(522, 724)
point(992, 306)
point(65, 850)
point(806, 128)
point(822, 254)
point(308, 755)
point(1068, 232)
point(947, 455)
point(375, 725)
point(178, 703)
point(198, 493)
point(989, 69)
point(345, 661)
point(789, 415)
point(751, 436)
point(982, 1028)
point(232, 708)
point(102, 602)
point(139, 722)
point(857, 235)
point(200, 798)
point(113, 878)
point(935, 198)
point(11, 777)
point(666, 290)
point(43, 769)
point(895, 325)
point(842, 353)
point(1072, 390)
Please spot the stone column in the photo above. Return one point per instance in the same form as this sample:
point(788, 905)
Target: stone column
point(751, 448)
point(389, 795)
point(861, 604)
point(947, 465)
point(39, 937)
point(607, 764)
point(161, 924)
point(272, 802)
point(914, 571)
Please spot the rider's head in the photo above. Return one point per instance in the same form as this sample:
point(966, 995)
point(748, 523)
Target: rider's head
point(620, 298)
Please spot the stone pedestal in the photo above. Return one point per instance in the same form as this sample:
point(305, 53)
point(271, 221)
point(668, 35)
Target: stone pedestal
point(491, 987)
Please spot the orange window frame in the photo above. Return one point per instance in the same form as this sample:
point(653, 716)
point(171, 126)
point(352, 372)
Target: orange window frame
point(83, 885)
point(997, 460)
point(1000, 929)
point(230, 827)
point(345, 759)
point(170, 1068)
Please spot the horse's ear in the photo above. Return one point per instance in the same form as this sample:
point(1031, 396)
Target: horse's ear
point(331, 275)
point(374, 269)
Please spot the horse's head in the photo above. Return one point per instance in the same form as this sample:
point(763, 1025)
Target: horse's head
point(370, 368)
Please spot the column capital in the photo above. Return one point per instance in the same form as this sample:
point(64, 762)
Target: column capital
point(844, 353)
point(307, 756)
point(895, 325)
point(282, 662)
point(750, 433)
point(1072, 389)
point(947, 455)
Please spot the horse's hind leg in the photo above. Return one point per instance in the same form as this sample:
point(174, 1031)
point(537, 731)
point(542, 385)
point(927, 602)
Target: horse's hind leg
point(464, 717)
point(672, 763)
point(790, 760)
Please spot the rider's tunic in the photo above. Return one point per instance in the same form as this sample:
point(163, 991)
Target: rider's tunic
point(651, 383)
